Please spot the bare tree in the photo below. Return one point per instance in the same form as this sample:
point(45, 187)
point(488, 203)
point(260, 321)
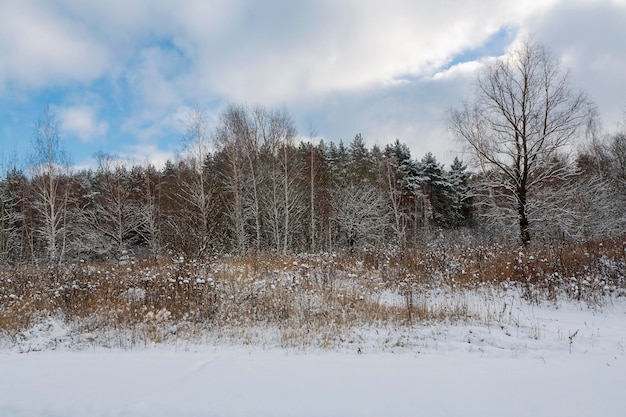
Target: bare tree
point(261, 176)
point(600, 192)
point(284, 127)
point(250, 132)
point(359, 215)
point(199, 193)
point(283, 199)
point(50, 169)
point(116, 214)
point(312, 191)
point(231, 133)
point(314, 182)
point(523, 114)
point(391, 175)
point(150, 211)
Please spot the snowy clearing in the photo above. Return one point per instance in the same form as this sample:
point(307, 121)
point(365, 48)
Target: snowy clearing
point(568, 361)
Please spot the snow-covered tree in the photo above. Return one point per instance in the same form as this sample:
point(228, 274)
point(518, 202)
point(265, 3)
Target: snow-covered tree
point(150, 228)
point(362, 169)
point(523, 115)
point(12, 225)
point(50, 169)
point(461, 194)
point(115, 214)
point(197, 192)
point(358, 216)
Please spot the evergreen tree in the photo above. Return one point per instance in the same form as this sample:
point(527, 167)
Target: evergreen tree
point(361, 165)
point(338, 162)
point(438, 190)
point(459, 179)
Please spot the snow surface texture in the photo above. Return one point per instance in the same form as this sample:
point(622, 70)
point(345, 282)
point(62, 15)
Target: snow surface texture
point(558, 362)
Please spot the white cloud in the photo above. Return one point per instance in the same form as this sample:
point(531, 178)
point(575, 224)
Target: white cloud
point(589, 36)
point(82, 122)
point(130, 156)
point(41, 47)
point(314, 48)
point(463, 69)
point(382, 68)
point(147, 153)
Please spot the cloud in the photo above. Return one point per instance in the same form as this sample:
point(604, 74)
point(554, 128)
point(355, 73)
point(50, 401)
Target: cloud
point(589, 36)
point(238, 50)
point(41, 46)
point(463, 69)
point(243, 51)
point(413, 112)
point(82, 122)
point(386, 69)
point(315, 48)
point(147, 153)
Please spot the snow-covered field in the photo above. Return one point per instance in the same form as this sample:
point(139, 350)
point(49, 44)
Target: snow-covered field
point(565, 361)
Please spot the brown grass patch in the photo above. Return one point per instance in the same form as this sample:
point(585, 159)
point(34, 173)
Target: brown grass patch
point(306, 299)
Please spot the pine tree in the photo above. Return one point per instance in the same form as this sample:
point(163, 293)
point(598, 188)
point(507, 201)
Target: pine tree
point(459, 179)
point(361, 168)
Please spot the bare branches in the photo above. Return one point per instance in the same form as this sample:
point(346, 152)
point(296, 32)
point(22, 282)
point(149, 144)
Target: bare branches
point(524, 115)
point(49, 166)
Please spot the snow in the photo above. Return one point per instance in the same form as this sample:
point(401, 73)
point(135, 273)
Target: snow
point(535, 368)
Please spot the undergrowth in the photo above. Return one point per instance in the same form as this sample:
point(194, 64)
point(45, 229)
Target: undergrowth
point(305, 300)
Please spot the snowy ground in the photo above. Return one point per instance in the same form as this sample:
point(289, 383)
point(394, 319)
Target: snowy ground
point(531, 368)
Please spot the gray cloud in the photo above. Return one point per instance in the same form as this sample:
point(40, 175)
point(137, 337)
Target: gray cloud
point(589, 36)
point(375, 67)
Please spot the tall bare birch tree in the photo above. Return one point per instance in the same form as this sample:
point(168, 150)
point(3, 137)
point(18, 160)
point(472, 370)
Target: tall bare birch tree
point(232, 130)
point(283, 208)
point(199, 193)
point(49, 169)
point(523, 114)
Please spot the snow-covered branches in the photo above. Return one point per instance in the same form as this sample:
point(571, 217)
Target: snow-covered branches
point(524, 115)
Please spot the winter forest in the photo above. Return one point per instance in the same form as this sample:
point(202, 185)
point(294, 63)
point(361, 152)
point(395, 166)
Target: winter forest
point(536, 170)
point(260, 190)
point(258, 234)
point(312, 208)
point(264, 189)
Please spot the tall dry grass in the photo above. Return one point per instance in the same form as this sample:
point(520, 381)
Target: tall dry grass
point(305, 300)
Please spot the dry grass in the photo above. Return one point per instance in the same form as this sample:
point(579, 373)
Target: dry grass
point(305, 300)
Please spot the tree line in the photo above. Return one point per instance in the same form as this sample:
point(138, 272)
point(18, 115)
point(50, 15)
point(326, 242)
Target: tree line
point(252, 183)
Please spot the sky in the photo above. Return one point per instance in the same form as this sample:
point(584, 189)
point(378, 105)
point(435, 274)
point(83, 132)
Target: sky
point(122, 75)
